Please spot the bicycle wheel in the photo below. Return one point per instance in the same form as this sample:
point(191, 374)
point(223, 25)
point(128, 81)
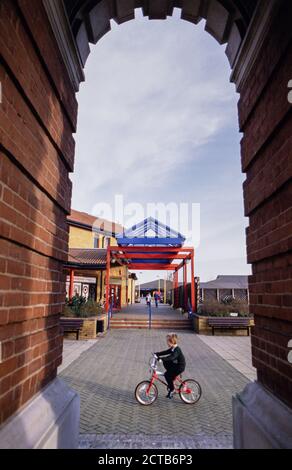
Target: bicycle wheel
point(144, 397)
point(190, 391)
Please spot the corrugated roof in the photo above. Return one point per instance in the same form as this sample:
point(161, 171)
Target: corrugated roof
point(226, 282)
point(89, 221)
point(87, 256)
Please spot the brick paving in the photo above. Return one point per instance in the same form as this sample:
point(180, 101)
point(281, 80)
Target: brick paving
point(142, 441)
point(106, 375)
point(72, 350)
point(236, 350)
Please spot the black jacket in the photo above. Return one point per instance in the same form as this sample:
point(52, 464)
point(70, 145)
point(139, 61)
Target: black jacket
point(174, 356)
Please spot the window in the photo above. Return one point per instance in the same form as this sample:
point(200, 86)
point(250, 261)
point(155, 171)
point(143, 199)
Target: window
point(107, 242)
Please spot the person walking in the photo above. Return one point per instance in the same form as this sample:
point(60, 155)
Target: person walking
point(148, 298)
point(156, 298)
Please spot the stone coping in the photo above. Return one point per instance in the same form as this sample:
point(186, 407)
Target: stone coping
point(97, 317)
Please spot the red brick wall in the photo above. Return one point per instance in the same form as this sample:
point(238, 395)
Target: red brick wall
point(37, 119)
point(265, 117)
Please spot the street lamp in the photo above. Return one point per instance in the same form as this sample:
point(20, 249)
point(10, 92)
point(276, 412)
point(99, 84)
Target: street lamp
point(139, 286)
point(158, 283)
point(164, 288)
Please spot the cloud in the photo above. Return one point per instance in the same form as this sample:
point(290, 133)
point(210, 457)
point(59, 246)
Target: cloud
point(154, 95)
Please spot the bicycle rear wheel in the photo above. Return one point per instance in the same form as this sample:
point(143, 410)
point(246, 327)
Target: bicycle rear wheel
point(190, 391)
point(144, 394)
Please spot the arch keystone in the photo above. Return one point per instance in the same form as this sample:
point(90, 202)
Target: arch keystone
point(157, 9)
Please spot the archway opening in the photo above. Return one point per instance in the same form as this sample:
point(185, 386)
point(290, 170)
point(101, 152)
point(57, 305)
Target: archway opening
point(126, 131)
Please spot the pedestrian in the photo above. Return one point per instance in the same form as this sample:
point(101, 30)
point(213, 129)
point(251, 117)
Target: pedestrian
point(148, 298)
point(156, 298)
point(173, 361)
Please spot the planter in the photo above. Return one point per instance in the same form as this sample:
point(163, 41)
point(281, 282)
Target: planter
point(201, 327)
point(89, 329)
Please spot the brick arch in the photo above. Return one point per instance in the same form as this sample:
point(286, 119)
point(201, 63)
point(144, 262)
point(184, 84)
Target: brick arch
point(38, 114)
point(226, 20)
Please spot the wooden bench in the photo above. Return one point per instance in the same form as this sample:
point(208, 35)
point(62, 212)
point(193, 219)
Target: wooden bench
point(71, 325)
point(229, 322)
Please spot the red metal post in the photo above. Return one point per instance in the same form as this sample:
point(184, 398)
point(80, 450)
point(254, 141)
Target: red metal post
point(107, 279)
point(185, 287)
point(71, 284)
point(193, 297)
point(176, 289)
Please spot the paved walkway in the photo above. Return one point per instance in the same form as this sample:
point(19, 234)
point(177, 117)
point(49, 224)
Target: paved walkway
point(236, 350)
point(72, 350)
point(106, 375)
point(140, 311)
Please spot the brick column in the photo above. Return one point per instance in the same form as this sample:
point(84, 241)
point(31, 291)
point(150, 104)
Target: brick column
point(265, 118)
point(38, 116)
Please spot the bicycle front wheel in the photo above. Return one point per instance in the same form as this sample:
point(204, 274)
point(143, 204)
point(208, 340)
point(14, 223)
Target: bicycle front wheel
point(190, 391)
point(145, 393)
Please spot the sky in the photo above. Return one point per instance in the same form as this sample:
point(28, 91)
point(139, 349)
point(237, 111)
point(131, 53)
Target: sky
point(158, 124)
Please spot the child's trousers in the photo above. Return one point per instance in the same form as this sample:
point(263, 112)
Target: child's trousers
point(171, 373)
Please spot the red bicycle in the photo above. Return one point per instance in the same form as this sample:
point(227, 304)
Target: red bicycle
point(146, 392)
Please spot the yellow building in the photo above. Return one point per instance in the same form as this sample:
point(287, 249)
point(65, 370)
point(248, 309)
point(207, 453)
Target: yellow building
point(88, 239)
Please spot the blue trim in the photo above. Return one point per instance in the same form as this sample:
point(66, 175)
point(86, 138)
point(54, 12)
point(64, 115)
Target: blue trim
point(151, 261)
point(151, 241)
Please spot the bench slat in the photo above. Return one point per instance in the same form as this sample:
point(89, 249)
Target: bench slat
point(228, 321)
point(71, 325)
point(232, 323)
point(71, 322)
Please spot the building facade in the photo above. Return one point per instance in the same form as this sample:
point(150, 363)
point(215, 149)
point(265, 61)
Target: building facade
point(88, 239)
point(223, 288)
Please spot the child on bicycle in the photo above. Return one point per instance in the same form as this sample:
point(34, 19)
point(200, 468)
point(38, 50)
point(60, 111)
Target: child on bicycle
point(173, 361)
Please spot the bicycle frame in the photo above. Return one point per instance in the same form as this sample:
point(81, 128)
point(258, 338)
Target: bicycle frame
point(155, 377)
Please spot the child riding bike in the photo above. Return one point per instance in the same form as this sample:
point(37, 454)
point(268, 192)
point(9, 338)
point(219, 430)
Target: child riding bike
point(173, 361)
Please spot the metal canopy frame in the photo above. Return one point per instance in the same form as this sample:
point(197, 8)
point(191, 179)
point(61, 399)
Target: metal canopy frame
point(137, 235)
point(167, 258)
point(163, 251)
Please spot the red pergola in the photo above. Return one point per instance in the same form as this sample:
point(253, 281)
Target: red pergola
point(166, 258)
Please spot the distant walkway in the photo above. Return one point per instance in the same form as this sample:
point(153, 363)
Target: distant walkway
point(140, 311)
